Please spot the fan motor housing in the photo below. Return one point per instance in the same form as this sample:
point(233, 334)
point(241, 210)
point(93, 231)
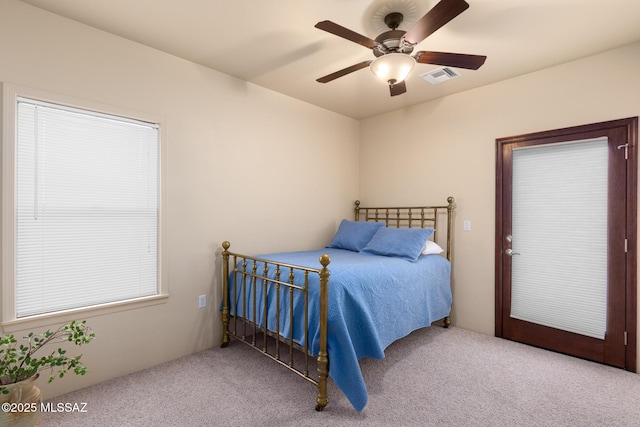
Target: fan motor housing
point(391, 41)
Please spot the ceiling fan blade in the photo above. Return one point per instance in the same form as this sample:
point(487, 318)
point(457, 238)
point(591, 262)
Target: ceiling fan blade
point(343, 72)
point(340, 31)
point(439, 15)
point(398, 88)
point(458, 60)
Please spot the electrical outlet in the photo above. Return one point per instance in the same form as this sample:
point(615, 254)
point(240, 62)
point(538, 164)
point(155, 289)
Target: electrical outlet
point(466, 225)
point(202, 301)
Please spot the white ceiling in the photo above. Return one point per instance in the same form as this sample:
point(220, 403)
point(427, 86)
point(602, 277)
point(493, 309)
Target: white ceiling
point(274, 43)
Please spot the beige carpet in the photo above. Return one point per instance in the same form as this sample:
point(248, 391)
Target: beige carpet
point(433, 377)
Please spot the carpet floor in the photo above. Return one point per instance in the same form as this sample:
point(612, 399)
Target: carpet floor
point(433, 377)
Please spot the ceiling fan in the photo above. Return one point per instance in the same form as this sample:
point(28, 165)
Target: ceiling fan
point(392, 49)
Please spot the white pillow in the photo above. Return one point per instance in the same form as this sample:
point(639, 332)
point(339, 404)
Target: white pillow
point(431, 248)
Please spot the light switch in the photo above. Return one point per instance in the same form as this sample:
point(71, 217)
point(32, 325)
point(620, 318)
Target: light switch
point(466, 226)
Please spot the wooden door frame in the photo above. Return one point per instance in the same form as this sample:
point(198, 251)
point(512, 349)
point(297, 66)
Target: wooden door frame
point(631, 125)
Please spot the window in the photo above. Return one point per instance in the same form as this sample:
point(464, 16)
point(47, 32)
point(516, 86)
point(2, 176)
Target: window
point(85, 227)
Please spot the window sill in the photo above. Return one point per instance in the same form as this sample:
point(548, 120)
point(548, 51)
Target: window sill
point(43, 320)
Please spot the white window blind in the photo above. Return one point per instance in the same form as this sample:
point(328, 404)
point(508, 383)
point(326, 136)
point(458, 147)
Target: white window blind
point(87, 195)
point(559, 212)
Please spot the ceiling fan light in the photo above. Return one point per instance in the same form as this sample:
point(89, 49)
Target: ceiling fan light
point(393, 67)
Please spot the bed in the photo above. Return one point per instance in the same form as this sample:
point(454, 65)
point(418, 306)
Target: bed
point(382, 277)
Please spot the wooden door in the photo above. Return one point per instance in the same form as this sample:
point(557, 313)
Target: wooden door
point(617, 345)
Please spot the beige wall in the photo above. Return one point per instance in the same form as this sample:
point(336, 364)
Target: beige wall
point(228, 142)
point(447, 147)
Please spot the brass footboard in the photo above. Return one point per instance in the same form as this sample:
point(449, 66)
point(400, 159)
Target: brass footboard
point(246, 327)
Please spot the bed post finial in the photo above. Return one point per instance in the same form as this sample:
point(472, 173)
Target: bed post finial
point(325, 260)
point(357, 210)
point(225, 293)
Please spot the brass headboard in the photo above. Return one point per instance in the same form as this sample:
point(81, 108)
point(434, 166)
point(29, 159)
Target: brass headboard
point(410, 217)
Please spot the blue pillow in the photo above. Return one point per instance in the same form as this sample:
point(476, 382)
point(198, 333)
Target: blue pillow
point(354, 235)
point(405, 243)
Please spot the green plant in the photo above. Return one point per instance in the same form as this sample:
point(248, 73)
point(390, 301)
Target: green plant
point(19, 361)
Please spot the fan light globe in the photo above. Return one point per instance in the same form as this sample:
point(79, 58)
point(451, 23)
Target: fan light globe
point(393, 67)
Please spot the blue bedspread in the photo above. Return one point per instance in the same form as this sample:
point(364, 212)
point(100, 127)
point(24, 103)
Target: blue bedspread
point(373, 301)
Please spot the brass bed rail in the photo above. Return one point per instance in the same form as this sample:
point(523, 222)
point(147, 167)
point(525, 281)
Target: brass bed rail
point(246, 274)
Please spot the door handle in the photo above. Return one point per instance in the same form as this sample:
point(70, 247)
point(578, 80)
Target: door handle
point(510, 252)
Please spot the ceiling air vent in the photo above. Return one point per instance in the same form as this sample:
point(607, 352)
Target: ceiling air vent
point(440, 75)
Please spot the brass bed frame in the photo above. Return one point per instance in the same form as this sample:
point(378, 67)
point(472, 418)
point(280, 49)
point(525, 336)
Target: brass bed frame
point(245, 270)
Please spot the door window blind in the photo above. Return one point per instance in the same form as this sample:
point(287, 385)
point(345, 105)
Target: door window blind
point(559, 211)
point(87, 208)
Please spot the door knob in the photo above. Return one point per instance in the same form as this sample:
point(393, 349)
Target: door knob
point(510, 252)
